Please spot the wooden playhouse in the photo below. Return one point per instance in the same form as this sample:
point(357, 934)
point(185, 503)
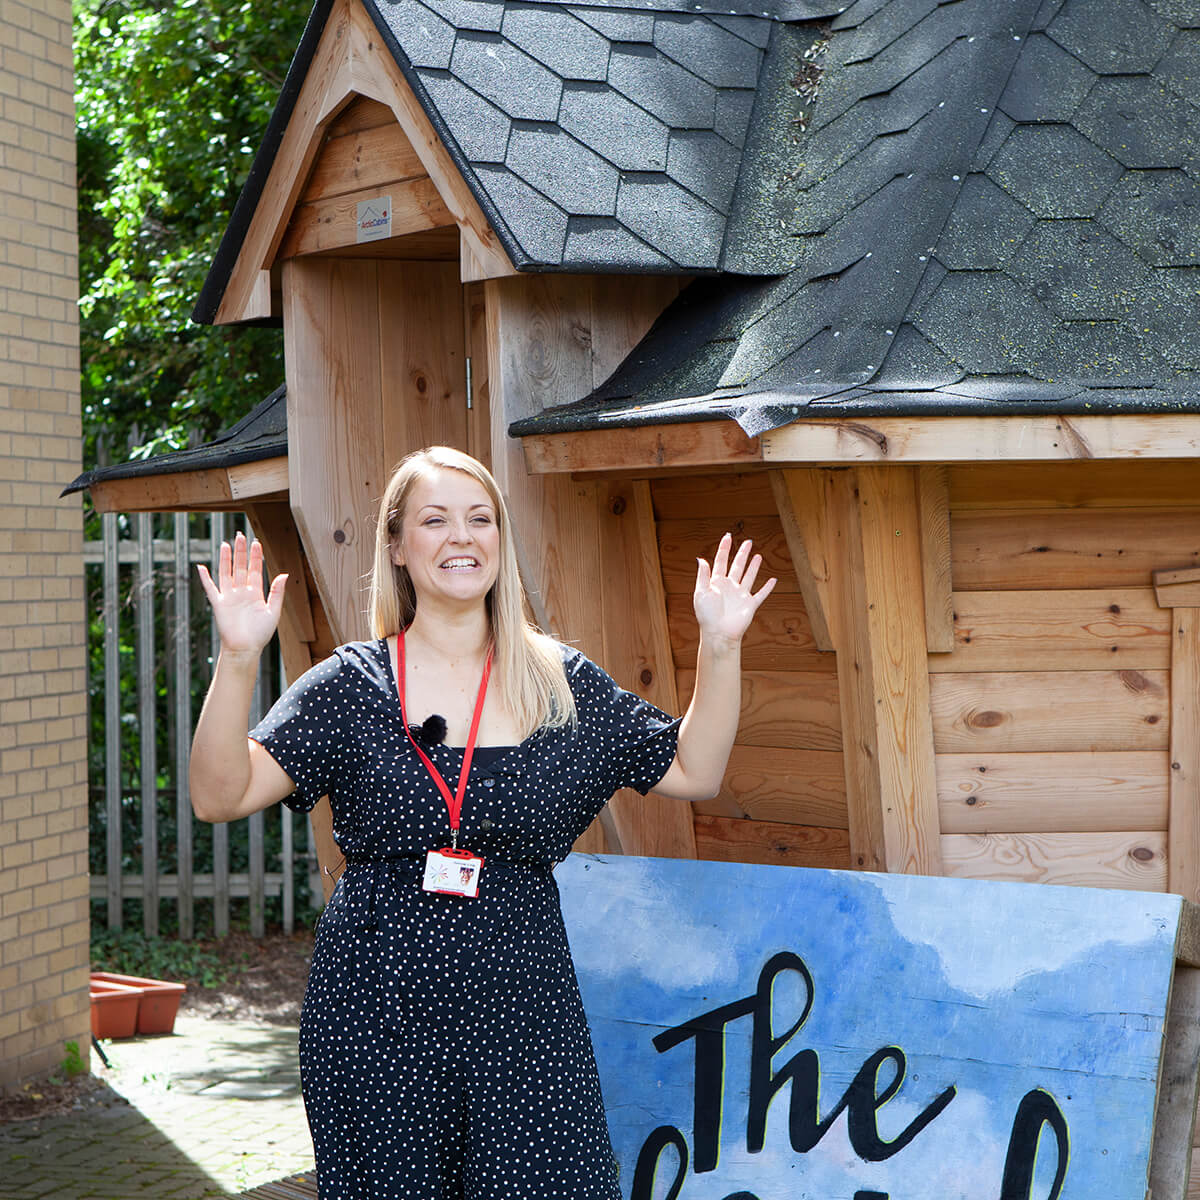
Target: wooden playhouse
point(910, 297)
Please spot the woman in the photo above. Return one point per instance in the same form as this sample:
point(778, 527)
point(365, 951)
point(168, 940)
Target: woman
point(444, 1051)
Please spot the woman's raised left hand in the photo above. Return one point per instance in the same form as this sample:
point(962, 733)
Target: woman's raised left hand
point(724, 602)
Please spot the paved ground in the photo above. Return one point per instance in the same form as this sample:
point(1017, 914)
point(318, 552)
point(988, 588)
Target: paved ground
point(211, 1110)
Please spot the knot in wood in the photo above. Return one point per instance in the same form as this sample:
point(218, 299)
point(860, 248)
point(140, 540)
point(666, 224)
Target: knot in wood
point(988, 719)
point(1142, 853)
point(647, 677)
point(617, 506)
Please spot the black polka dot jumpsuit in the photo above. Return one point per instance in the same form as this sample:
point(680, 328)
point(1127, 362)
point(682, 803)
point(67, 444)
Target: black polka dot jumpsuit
point(444, 1051)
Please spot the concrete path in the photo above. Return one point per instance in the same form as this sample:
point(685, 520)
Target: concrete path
point(211, 1110)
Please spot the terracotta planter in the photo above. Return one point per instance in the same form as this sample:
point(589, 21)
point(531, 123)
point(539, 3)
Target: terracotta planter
point(114, 1008)
point(159, 999)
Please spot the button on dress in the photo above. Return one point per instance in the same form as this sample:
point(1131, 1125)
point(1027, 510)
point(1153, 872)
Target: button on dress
point(444, 1051)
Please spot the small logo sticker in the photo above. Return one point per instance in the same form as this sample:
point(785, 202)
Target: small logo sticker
point(374, 219)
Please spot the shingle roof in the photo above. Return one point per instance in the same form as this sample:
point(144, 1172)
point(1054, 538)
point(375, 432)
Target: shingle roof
point(990, 206)
point(260, 434)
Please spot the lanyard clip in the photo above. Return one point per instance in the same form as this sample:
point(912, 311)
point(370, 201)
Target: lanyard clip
point(454, 838)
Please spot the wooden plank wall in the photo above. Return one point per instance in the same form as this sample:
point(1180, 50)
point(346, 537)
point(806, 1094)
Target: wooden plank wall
point(784, 798)
point(1052, 713)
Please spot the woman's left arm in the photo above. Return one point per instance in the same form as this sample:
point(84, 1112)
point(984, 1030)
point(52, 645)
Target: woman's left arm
point(725, 605)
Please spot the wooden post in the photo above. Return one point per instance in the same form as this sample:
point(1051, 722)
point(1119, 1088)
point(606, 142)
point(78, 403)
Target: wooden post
point(1180, 592)
point(933, 498)
point(541, 354)
point(801, 495)
point(637, 653)
point(882, 673)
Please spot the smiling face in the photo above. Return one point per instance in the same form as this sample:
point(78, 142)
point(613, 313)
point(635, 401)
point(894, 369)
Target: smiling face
point(449, 539)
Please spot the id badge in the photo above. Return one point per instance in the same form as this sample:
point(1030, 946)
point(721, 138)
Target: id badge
point(452, 872)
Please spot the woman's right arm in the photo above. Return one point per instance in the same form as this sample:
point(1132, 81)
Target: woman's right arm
point(230, 775)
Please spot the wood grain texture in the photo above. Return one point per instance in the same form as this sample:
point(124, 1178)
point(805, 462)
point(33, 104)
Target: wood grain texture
point(802, 499)
point(1178, 589)
point(888, 744)
point(637, 652)
point(421, 357)
point(779, 640)
point(800, 787)
point(275, 527)
point(1135, 861)
point(621, 315)
point(680, 543)
point(1179, 1079)
point(1071, 548)
point(1050, 710)
point(933, 501)
point(1070, 630)
point(360, 113)
point(996, 439)
point(699, 497)
point(1185, 754)
point(1053, 793)
point(336, 455)
point(641, 450)
point(796, 709)
point(258, 480)
point(1123, 483)
point(367, 158)
point(479, 427)
point(725, 839)
point(332, 223)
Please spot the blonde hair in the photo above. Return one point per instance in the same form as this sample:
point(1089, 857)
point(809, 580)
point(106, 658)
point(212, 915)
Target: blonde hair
point(527, 666)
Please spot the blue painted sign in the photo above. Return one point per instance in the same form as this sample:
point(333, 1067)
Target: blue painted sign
point(773, 1033)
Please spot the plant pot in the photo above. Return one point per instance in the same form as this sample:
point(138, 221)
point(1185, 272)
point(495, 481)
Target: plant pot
point(114, 1008)
point(159, 1000)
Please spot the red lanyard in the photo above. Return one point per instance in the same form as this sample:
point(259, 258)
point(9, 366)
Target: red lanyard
point(453, 803)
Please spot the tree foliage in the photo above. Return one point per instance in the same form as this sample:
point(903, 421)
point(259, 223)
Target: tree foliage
point(173, 98)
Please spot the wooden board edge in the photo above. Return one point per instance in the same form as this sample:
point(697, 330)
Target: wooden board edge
point(1178, 1083)
point(1187, 942)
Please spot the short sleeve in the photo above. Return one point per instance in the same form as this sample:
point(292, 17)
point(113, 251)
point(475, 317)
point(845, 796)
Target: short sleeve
point(302, 732)
point(633, 741)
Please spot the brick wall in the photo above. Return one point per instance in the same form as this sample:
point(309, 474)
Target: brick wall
point(43, 762)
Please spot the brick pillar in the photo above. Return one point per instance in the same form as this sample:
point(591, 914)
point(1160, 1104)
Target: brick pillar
point(43, 748)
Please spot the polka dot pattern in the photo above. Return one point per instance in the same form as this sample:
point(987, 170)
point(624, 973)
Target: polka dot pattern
point(444, 1050)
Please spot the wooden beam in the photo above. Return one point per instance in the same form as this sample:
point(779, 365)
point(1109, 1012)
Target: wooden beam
point(880, 440)
point(891, 785)
point(332, 224)
point(1103, 483)
point(984, 439)
point(642, 449)
point(1178, 1082)
point(1070, 630)
point(802, 499)
point(1134, 861)
point(1183, 855)
point(933, 500)
point(371, 158)
point(275, 527)
point(259, 480)
point(637, 653)
point(216, 489)
point(1035, 711)
point(1178, 589)
point(726, 839)
point(1053, 792)
point(336, 454)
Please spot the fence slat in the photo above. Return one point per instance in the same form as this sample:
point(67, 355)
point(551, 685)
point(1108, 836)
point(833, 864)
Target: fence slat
point(287, 845)
point(217, 534)
point(147, 747)
point(112, 721)
point(183, 724)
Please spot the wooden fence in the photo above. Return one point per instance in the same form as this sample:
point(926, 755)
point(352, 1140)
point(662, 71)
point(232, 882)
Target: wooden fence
point(145, 569)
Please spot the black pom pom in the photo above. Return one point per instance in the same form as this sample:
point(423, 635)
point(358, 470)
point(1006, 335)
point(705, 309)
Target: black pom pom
point(433, 729)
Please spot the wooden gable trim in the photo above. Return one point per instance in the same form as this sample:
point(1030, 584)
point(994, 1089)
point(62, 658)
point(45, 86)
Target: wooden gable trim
point(350, 61)
point(216, 489)
point(651, 448)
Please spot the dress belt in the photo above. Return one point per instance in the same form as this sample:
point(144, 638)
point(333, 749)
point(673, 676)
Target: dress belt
point(412, 866)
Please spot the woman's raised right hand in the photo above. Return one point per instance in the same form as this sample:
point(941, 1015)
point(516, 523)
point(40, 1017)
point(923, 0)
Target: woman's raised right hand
point(246, 621)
